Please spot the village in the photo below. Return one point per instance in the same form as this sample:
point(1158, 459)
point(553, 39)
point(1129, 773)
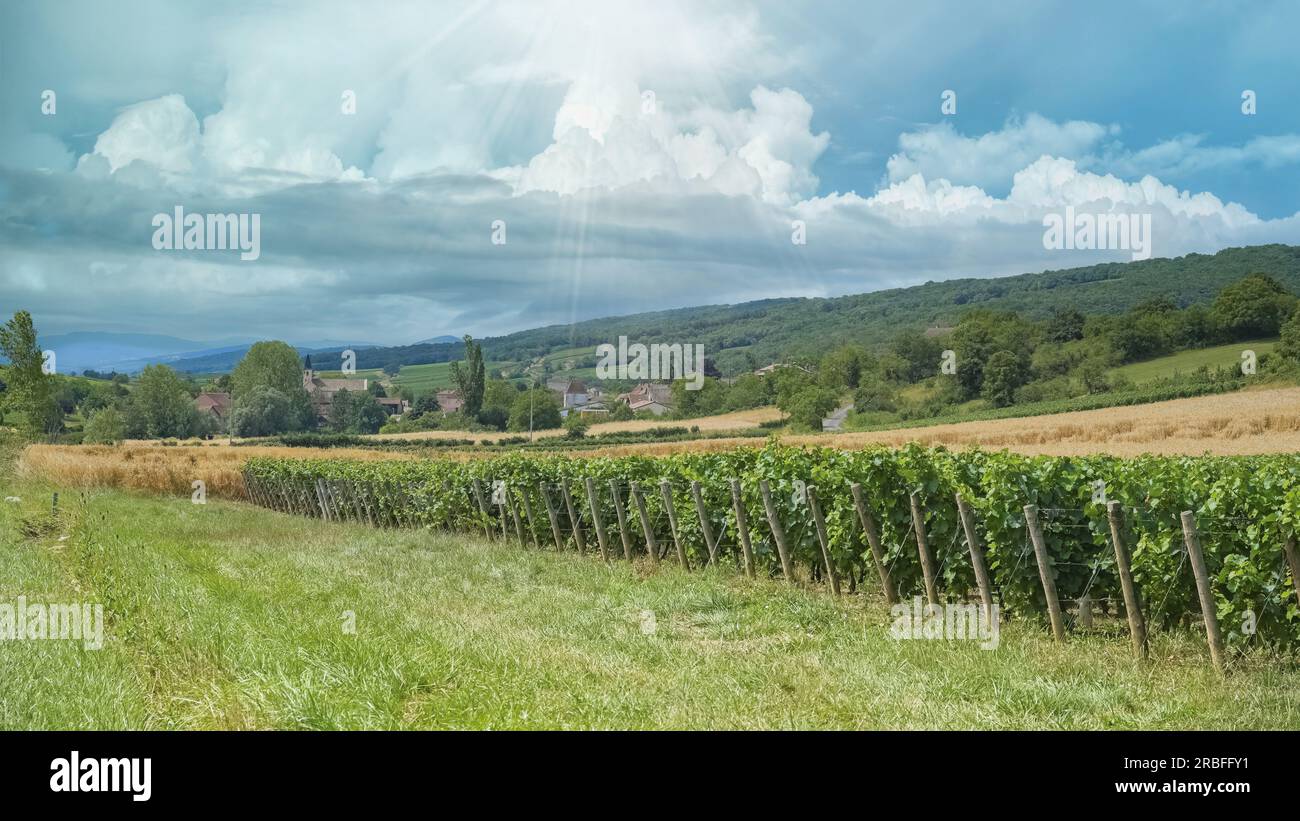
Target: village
point(573, 395)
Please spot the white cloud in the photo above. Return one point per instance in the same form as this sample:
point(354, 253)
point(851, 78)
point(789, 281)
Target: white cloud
point(1186, 155)
point(606, 138)
point(989, 160)
point(162, 132)
point(1046, 184)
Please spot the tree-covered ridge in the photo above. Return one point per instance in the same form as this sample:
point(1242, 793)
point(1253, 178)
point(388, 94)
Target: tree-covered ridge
point(751, 334)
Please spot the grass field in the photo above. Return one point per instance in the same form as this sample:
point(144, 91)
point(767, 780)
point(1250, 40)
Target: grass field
point(431, 377)
point(421, 379)
point(735, 420)
point(1187, 362)
point(229, 616)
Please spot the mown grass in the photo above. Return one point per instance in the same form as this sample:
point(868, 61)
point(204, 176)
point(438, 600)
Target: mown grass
point(228, 616)
point(1188, 362)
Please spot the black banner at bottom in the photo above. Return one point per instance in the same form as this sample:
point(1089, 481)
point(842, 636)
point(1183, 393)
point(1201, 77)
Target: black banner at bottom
point(143, 770)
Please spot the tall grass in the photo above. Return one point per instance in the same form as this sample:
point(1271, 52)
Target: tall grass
point(228, 616)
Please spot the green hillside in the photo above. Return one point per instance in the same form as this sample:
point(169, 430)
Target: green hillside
point(1187, 362)
point(420, 379)
point(738, 337)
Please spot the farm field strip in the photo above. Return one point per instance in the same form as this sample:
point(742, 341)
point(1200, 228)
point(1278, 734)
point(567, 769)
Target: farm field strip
point(1241, 423)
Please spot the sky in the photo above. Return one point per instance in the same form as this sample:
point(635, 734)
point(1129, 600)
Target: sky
point(419, 169)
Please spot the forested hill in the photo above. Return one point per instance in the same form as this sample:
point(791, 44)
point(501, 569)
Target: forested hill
point(741, 336)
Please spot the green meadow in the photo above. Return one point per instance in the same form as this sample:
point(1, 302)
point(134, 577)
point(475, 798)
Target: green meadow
point(1188, 362)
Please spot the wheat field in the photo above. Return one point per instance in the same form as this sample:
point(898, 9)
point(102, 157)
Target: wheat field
point(1242, 423)
point(1233, 424)
point(166, 470)
point(736, 420)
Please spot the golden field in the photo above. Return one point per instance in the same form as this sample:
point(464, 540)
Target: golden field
point(1233, 424)
point(737, 420)
point(169, 470)
point(1242, 423)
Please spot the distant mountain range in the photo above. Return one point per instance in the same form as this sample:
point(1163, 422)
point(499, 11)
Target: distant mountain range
point(128, 353)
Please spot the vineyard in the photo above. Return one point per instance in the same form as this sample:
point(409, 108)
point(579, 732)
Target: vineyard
point(1059, 539)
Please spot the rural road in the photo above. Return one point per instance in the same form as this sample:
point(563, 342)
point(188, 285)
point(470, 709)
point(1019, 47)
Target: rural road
point(836, 419)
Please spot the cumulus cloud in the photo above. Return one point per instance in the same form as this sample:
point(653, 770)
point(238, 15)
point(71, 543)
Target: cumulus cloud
point(607, 139)
point(1186, 155)
point(989, 160)
point(1047, 185)
point(162, 132)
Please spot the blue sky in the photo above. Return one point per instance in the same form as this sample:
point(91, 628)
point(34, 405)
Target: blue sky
point(641, 155)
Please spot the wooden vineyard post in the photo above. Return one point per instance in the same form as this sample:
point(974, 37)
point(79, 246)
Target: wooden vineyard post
point(579, 538)
point(976, 555)
point(742, 528)
point(282, 495)
point(1045, 572)
point(1293, 561)
point(647, 527)
point(376, 502)
point(596, 518)
point(335, 497)
point(820, 522)
point(705, 528)
point(482, 508)
point(1132, 604)
point(514, 514)
point(337, 501)
point(1212, 636)
point(354, 501)
point(363, 499)
point(666, 490)
point(923, 549)
point(550, 513)
point(528, 513)
point(873, 540)
point(622, 519)
point(320, 499)
point(342, 499)
point(502, 512)
point(778, 533)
